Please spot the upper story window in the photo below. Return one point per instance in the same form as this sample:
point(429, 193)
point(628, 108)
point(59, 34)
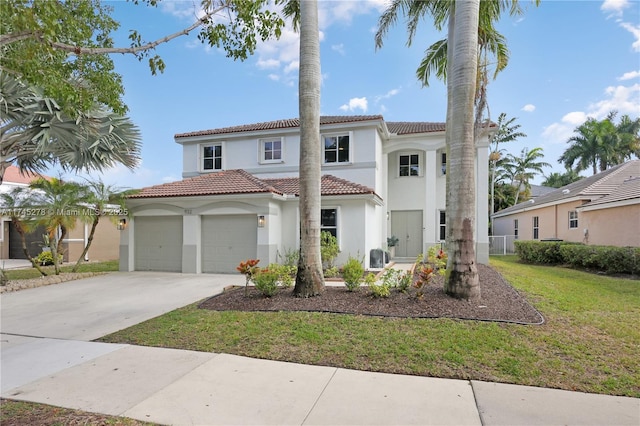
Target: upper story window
point(409, 165)
point(573, 219)
point(271, 150)
point(336, 149)
point(443, 163)
point(212, 157)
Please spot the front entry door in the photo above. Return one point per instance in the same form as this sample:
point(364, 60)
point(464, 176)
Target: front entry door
point(407, 226)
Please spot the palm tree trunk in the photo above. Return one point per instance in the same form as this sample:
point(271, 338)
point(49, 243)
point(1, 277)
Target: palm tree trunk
point(309, 278)
point(462, 274)
point(25, 250)
point(94, 225)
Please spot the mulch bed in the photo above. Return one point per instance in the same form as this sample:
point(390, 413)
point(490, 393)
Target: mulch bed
point(498, 302)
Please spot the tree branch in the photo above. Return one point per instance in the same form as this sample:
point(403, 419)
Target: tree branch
point(6, 39)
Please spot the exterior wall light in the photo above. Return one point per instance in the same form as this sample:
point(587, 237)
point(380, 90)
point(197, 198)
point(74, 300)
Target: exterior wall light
point(261, 221)
point(122, 224)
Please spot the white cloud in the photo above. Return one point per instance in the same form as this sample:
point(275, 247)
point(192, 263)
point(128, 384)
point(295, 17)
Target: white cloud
point(635, 31)
point(624, 99)
point(614, 7)
point(629, 75)
point(338, 48)
point(267, 64)
point(356, 103)
point(529, 108)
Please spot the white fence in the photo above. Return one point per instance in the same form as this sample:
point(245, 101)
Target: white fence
point(502, 244)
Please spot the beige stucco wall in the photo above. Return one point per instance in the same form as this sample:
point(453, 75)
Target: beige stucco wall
point(618, 226)
point(105, 245)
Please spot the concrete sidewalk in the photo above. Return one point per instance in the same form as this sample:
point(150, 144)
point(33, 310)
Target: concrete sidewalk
point(179, 387)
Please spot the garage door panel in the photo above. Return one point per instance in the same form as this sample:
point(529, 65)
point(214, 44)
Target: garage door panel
point(158, 243)
point(227, 240)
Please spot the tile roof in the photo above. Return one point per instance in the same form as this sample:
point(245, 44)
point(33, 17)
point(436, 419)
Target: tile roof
point(411, 127)
point(280, 124)
point(589, 188)
point(219, 183)
point(13, 175)
point(230, 182)
point(628, 190)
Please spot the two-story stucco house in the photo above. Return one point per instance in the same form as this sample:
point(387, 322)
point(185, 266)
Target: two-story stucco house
point(239, 195)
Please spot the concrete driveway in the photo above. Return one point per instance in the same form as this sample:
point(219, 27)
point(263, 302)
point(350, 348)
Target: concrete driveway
point(90, 308)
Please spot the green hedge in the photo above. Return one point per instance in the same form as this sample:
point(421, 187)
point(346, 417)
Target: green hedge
point(608, 259)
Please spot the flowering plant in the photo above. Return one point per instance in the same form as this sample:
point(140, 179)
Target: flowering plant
point(248, 268)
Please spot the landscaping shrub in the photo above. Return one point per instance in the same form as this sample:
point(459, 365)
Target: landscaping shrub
point(540, 252)
point(352, 273)
point(286, 274)
point(382, 289)
point(331, 272)
point(329, 249)
point(266, 280)
point(45, 258)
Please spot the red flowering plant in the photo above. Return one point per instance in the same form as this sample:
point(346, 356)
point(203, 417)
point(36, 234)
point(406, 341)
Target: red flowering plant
point(248, 268)
point(425, 273)
point(436, 262)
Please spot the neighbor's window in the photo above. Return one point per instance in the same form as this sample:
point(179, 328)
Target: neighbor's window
point(536, 227)
point(573, 219)
point(443, 163)
point(442, 225)
point(515, 228)
point(271, 150)
point(329, 221)
point(409, 165)
point(336, 149)
point(212, 157)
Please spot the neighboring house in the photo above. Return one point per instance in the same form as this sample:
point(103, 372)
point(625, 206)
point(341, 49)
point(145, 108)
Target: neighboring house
point(105, 245)
point(239, 196)
point(603, 209)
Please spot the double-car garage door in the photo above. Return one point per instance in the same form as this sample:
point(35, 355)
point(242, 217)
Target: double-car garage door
point(226, 241)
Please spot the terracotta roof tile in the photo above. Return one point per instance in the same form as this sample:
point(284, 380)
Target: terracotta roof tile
point(410, 127)
point(279, 124)
point(217, 183)
point(240, 182)
point(13, 175)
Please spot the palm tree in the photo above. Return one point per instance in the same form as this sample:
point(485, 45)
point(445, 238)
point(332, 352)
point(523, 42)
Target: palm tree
point(525, 167)
point(558, 180)
point(309, 278)
point(102, 200)
point(600, 144)
point(63, 204)
point(15, 202)
point(35, 133)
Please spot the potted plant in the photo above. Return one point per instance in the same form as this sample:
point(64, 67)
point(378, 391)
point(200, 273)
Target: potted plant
point(392, 242)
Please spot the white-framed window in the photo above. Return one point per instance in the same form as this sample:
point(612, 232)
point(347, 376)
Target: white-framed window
point(336, 149)
point(442, 225)
point(573, 219)
point(536, 227)
point(211, 157)
point(515, 228)
point(409, 165)
point(443, 163)
point(329, 221)
point(271, 150)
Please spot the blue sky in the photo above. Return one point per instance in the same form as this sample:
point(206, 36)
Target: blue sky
point(569, 60)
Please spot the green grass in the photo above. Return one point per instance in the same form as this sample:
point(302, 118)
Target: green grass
point(590, 341)
point(24, 274)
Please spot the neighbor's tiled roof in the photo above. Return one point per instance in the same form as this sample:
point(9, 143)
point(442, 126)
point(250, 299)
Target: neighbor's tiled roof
point(280, 124)
point(590, 188)
point(329, 185)
point(240, 182)
point(219, 183)
point(629, 190)
point(12, 175)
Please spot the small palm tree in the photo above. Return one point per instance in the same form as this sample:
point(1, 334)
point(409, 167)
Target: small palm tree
point(102, 200)
point(16, 201)
point(63, 203)
point(525, 167)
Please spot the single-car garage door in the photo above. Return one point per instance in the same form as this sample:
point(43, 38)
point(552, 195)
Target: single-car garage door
point(158, 243)
point(227, 240)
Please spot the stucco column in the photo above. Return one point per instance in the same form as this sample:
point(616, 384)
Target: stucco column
point(482, 205)
point(432, 166)
point(191, 244)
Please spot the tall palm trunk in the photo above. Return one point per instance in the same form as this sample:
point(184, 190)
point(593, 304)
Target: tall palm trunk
point(94, 225)
point(18, 225)
point(462, 273)
point(309, 279)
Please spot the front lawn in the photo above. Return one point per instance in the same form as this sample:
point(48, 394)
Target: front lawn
point(590, 341)
point(29, 273)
